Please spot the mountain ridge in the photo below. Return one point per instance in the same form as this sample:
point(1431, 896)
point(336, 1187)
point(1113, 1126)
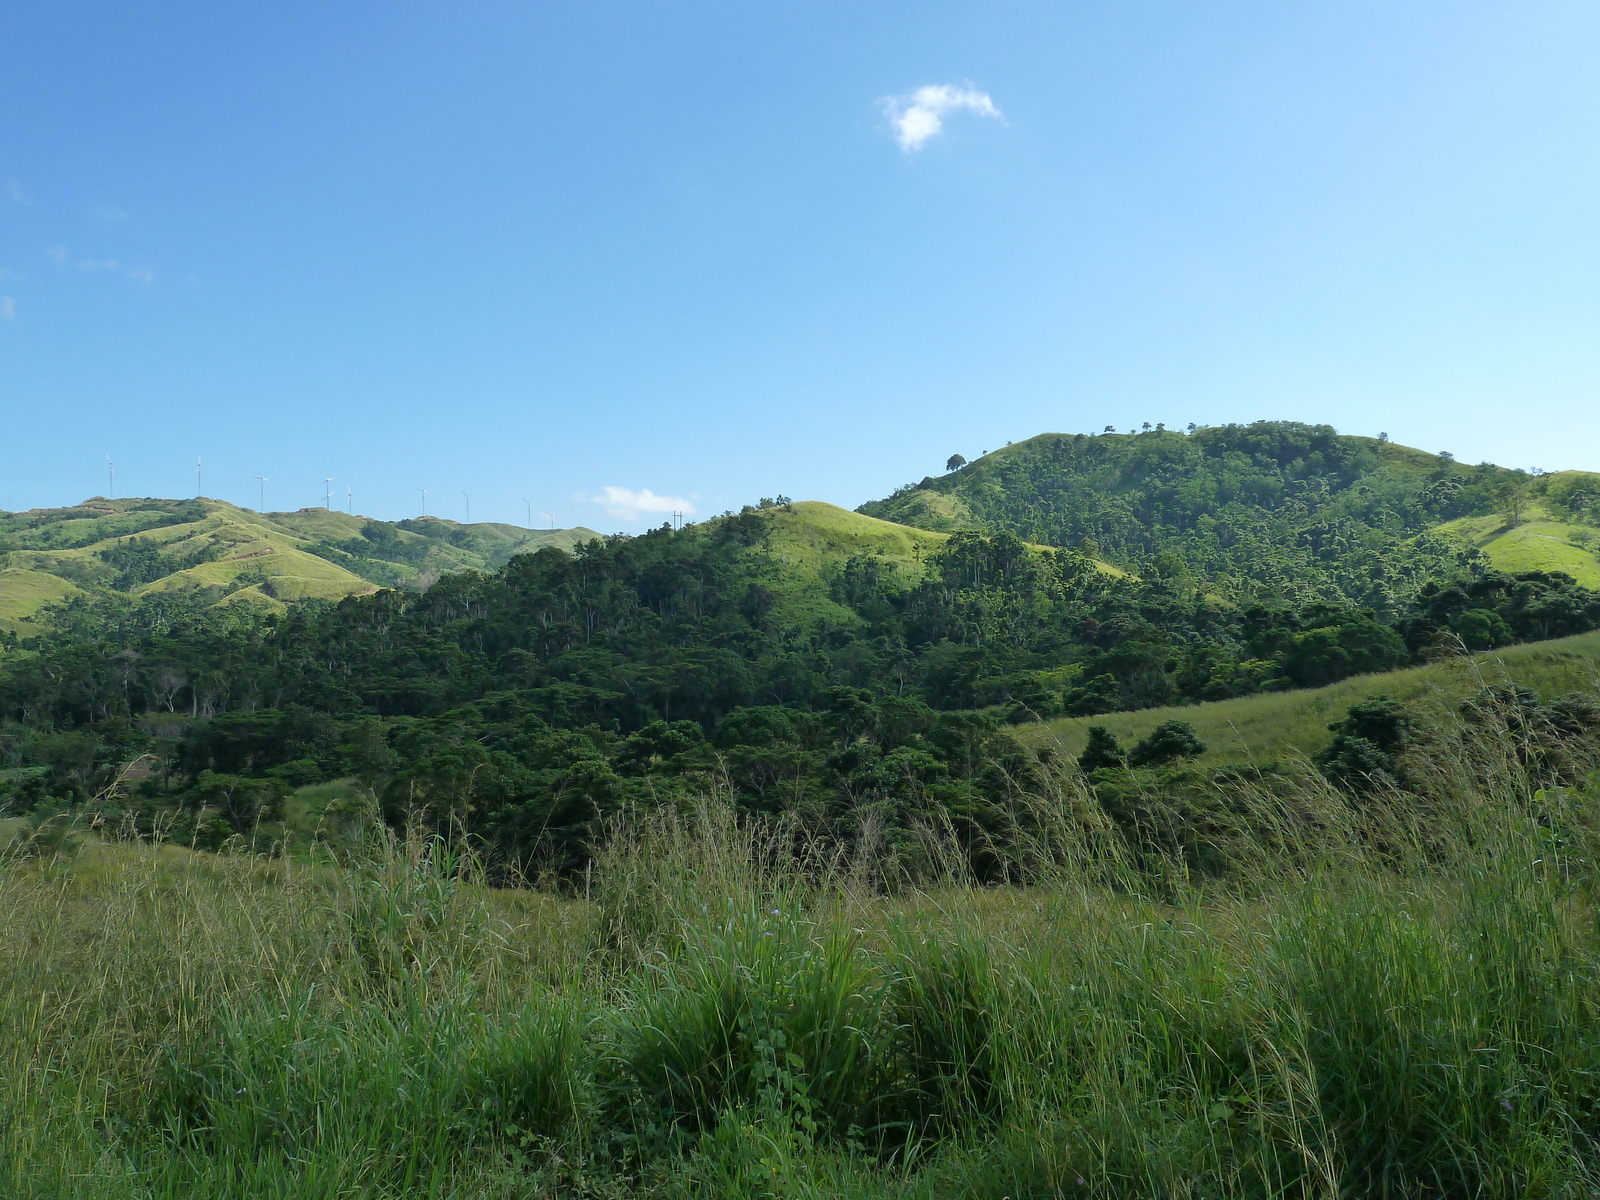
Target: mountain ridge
point(141, 545)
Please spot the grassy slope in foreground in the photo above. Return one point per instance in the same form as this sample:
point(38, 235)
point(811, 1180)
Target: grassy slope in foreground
point(1274, 725)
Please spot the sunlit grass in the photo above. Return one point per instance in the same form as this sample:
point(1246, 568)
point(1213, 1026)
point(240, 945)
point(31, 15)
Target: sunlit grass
point(1394, 996)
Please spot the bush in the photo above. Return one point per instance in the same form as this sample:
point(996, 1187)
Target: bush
point(1166, 743)
point(1101, 751)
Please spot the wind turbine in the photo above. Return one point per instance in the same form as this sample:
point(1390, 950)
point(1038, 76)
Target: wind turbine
point(529, 503)
point(469, 509)
point(111, 474)
point(424, 492)
point(197, 487)
point(349, 500)
point(327, 494)
point(552, 517)
point(262, 479)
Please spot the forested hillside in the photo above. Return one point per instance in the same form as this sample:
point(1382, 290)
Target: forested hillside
point(816, 661)
point(1272, 512)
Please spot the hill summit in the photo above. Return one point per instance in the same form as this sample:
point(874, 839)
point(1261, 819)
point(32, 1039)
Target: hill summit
point(1272, 511)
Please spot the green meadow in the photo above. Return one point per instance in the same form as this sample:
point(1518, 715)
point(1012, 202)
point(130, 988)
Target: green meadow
point(1392, 995)
point(1273, 726)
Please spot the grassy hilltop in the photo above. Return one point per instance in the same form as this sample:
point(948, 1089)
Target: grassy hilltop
point(141, 546)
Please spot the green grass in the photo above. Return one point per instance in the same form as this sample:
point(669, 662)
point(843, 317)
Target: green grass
point(810, 541)
point(1539, 543)
point(52, 553)
point(1403, 1006)
point(1272, 726)
point(24, 592)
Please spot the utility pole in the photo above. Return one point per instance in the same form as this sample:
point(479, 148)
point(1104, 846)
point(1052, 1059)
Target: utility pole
point(262, 479)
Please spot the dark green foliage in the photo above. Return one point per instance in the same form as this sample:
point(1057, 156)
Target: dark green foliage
point(1496, 608)
point(138, 561)
point(1367, 743)
point(533, 704)
point(1166, 743)
point(1481, 629)
point(1275, 510)
point(1102, 751)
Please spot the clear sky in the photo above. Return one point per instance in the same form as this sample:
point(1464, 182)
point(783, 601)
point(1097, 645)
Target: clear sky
point(715, 251)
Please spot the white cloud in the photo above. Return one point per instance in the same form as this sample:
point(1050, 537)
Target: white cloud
point(18, 194)
point(108, 212)
point(144, 275)
point(625, 504)
point(7, 273)
point(8, 307)
point(918, 116)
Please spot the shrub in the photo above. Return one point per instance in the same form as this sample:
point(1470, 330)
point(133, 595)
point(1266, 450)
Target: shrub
point(1167, 742)
point(1101, 750)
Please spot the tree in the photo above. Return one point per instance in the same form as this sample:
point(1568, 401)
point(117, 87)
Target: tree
point(1101, 751)
point(955, 463)
point(1511, 495)
point(1364, 753)
point(1481, 629)
point(1167, 742)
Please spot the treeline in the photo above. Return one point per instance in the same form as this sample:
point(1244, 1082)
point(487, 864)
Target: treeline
point(528, 704)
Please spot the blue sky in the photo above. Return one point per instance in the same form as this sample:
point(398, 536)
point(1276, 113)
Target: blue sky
point(715, 251)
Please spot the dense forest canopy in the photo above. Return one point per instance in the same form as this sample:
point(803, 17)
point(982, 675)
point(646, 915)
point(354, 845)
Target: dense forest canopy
point(529, 702)
point(1277, 510)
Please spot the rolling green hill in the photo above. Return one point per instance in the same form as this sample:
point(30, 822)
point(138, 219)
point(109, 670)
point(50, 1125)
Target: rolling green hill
point(140, 546)
point(1274, 725)
point(1538, 543)
point(1556, 528)
point(1273, 511)
point(807, 543)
